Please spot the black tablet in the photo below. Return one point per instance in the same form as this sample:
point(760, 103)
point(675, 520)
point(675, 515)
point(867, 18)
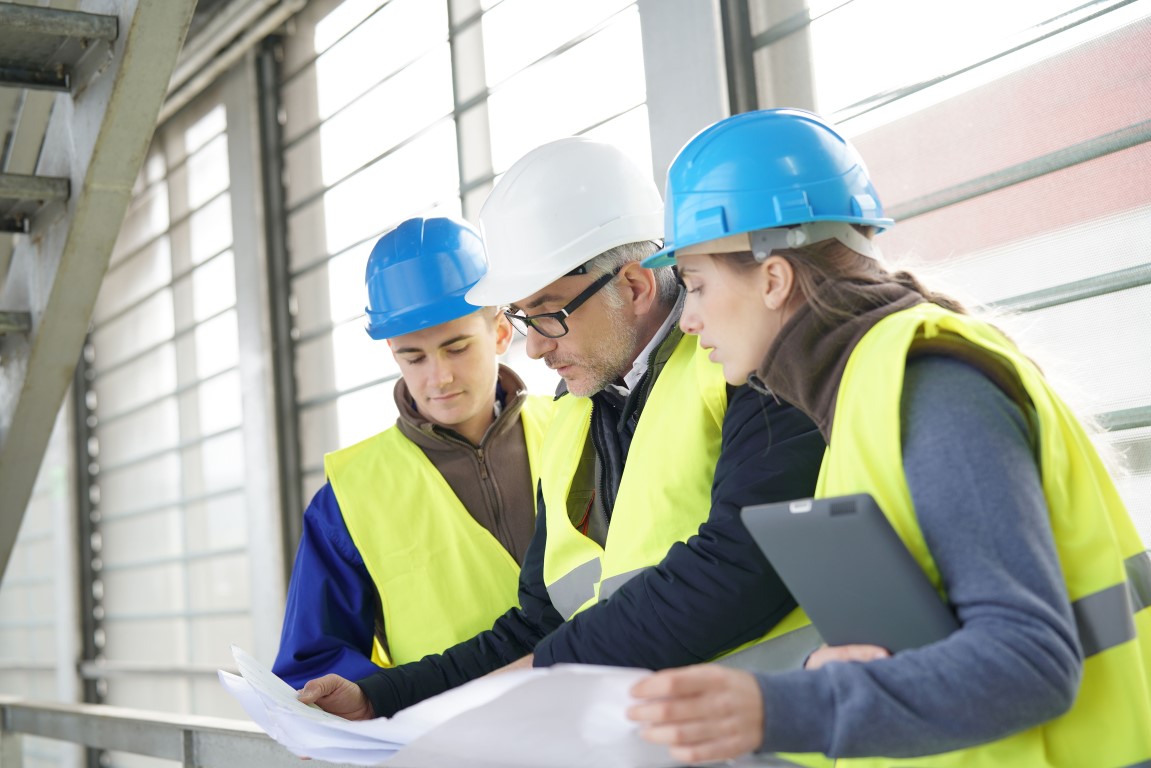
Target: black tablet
point(851, 573)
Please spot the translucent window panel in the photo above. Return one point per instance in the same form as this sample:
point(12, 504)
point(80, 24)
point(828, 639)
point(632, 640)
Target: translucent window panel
point(1132, 449)
point(307, 235)
point(396, 109)
point(345, 421)
point(145, 590)
point(319, 433)
point(208, 127)
point(518, 32)
point(214, 286)
point(38, 603)
point(872, 46)
point(123, 536)
point(219, 402)
point(366, 412)
point(1114, 242)
point(160, 694)
point(144, 326)
point(144, 485)
point(347, 285)
point(221, 462)
point(218, 583)
point(217, 344)
point(347, 358)
point(1106, 188)
point(1074, 97)
point(207, 172)
point(359, 358)
point(312, 483)
point(631, 132)
point(337, 21)
point(145, 378)
point(147, 217)
point(15, 645)
point(1095, 351)
point(13, 600)
point(130, 280)
point(139, 434)
point(208, 696)
point(212, 637)
point(315, 368)
point(407, 181)
point(395, 36)
point(220, 522)
point(209, 230)
point(592, 82)
point(332, 292)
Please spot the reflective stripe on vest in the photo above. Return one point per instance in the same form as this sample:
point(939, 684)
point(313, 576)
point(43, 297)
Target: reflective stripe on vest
point(441, 576)
point(663, 495)
point(1104, 565)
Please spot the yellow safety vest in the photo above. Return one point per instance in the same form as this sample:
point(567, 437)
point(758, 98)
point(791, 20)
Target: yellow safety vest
point(665, 492)
point(440, 575)
point(1105, 565)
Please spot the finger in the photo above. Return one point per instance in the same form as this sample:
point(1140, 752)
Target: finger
point(846, 653)
point(686, 681)
point(710, 751)
point(691, 732)
point(318, 688)
point(676, 710)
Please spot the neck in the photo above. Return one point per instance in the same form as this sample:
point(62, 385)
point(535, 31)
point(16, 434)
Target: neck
point(806, 361)
point(648, 327)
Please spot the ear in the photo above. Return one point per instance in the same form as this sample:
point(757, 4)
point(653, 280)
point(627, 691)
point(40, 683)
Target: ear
point(504, 332)
point(778, 280)
point(638, 287)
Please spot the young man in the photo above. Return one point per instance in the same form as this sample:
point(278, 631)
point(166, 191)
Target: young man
point(639, 557)
point(415, 541)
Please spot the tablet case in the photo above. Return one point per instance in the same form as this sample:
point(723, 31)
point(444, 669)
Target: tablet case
point(850, 572)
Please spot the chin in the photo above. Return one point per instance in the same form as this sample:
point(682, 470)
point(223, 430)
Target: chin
point(735, 378)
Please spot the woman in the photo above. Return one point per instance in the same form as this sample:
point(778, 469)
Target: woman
point(981, 468)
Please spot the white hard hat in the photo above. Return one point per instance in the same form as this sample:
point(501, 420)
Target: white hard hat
point(557, 207)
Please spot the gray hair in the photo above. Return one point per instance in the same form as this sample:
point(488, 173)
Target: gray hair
point(615, 258)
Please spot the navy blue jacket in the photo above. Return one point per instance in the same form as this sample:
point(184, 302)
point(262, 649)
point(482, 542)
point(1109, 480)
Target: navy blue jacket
point(707, 596)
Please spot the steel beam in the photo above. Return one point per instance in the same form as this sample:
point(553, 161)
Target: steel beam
point(97, 139)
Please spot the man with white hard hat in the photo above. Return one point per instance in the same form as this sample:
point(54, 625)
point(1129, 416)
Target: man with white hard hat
point(639, 557)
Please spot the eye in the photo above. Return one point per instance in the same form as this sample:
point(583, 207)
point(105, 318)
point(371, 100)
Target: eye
point(458, 350)
point(414, 360)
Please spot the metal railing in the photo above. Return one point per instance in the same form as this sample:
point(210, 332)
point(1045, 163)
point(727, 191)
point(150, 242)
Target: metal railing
point(192, 740)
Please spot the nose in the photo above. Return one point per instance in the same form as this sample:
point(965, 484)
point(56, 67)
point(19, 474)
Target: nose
point(538, 345)
point(690, 321)
point(441, 372)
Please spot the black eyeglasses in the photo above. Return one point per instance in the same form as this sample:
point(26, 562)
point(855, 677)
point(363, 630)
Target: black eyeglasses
point(554, 324)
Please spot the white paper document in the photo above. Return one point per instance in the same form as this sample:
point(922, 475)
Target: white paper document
point(567, 716)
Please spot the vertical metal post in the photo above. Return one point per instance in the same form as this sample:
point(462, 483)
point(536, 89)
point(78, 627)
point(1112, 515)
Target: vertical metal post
point(268, 76)
point(87, 527)
point(11, 751)
point(739, 56)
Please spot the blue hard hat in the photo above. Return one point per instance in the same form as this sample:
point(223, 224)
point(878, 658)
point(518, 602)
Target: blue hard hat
point(418, 274)
point(760, 170)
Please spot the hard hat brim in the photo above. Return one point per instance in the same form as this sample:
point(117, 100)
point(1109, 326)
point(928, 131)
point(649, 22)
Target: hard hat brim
point(664, 257)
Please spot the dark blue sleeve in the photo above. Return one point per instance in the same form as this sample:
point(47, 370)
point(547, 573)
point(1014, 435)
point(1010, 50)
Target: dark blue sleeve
point(716, 591)
point(329, 621)
point(1015, 661)
point(513, 636)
